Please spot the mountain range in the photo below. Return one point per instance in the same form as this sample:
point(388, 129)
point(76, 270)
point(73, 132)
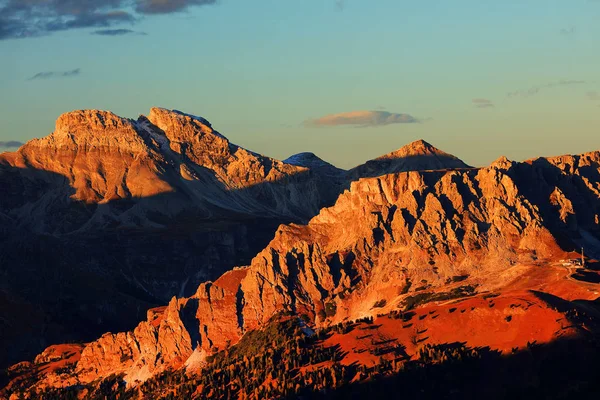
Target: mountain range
point(187, 246)
point(107, 217)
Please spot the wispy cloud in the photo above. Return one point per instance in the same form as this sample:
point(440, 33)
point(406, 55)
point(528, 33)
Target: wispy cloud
point(168, 6)
point(32, 18)
point(483, 103)
point(10, 144)
point(56, 74)
point(593, 95)
point(532, 91)
point(568, 31)
point(362, 119)
point(117, 32)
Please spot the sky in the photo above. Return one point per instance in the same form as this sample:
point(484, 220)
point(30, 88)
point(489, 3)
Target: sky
point(348, 80)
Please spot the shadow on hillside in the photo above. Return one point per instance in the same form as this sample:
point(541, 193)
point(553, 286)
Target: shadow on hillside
point(539, 179)
point(61, 284)
point(563, 369)
point(71, 274)
point(586, 276)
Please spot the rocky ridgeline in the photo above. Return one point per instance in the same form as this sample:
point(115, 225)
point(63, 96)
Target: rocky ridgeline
point(167, 163)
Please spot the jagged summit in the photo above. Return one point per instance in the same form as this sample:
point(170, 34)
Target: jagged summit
point(99, 128)
point(502, 163)
point(90, 128)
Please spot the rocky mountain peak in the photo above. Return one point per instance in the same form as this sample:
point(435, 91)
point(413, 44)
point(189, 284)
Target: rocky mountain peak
point(417, 148)
point(312, 161)
point(94, 119)
point(302, 159)
point(104, 158)
point(191, 136)
point(91, 129)
point(416, 156)
point(502, 163)
point(179, 125)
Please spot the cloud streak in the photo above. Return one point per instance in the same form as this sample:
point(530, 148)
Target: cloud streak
point(33, 18)
point(534, 90)
point(168, 6)
point(56, 74)
point(117, 32)
point(482, 103)
point(362, 119)
point(10, 144)
point(568, 31)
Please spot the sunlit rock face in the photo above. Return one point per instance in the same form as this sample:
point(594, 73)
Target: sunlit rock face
point(381, 239)
point(166, 164)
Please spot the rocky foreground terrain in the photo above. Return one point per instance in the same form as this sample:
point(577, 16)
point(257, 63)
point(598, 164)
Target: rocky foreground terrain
point(108, 217)
point(427, 273)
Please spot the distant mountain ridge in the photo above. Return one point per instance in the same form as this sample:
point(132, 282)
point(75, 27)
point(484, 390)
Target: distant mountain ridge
point(416, 156)
point(312, 161)
point(98, 157)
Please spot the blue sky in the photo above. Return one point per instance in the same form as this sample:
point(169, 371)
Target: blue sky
point(480, 79)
